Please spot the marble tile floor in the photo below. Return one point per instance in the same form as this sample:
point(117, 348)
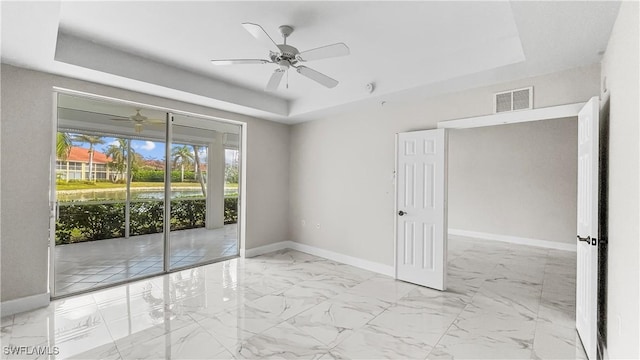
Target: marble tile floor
point(93, 264)
point(504, 302)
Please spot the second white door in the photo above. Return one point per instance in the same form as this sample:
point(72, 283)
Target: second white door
point(587, 240)
point(421, 208)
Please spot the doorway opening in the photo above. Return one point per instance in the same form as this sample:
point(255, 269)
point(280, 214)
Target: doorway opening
point(568, 285)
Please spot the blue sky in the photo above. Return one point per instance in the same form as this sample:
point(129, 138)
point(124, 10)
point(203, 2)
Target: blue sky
point(149, 149)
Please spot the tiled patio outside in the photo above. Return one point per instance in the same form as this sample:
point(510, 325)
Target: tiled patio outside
point(87, 265)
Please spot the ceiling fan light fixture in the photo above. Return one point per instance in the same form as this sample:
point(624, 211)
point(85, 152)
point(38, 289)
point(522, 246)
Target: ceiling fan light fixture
point(284, 64)
point(137, 127)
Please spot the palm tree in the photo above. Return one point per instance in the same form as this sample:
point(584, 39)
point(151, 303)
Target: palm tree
point(118, 154)
point(183, 156)
point(63, 145)
point(196, 150)
point(92, 141)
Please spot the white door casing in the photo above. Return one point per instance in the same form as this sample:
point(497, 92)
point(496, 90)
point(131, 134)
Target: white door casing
point(587, 239)
point(421, 208)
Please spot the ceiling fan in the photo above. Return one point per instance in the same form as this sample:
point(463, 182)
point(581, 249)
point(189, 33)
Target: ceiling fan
point(287, 56)
point(139, 120)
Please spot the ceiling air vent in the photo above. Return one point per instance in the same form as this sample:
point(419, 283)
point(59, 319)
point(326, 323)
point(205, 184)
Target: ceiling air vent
point(519, 99)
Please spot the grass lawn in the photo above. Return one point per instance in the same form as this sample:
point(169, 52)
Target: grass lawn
point(109, 185)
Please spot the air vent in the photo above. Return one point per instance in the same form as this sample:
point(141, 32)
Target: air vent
point(519, 99)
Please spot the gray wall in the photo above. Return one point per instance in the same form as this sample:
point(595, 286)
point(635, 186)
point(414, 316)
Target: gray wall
point(620, 67)
point(516, 180)
point(342, 167)
point(26, 130)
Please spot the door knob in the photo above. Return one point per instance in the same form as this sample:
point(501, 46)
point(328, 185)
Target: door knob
point(401, 213)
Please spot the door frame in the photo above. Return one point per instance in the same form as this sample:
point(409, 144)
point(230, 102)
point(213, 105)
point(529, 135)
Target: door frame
point(514, 117)
point(242, 181)
point(540, 114)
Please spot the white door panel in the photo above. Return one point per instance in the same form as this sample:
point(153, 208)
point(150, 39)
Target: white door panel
point(421, 217)
point(587, 246)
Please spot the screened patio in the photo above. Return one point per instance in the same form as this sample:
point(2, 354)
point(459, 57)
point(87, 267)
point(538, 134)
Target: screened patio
point(93, 264)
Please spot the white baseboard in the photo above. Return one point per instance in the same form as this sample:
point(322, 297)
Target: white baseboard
point(330, 255)
point(344, 259)
point(514, 240)
point(260, 250)
point(23, 304)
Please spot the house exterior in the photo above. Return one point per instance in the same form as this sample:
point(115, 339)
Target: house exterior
point(76, 165)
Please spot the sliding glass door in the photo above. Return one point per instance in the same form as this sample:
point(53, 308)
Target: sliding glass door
point(119, 169)
point(203, 225)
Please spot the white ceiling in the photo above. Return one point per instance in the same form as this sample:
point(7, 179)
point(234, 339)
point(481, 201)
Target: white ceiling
point(405, 48)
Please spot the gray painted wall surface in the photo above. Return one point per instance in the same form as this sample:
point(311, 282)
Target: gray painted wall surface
point(342, 167)
point(621, 69)
point(516, 180)
point(27, 108)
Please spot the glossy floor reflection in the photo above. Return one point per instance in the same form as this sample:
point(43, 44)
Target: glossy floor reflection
point(504, 301)
point(86, 265)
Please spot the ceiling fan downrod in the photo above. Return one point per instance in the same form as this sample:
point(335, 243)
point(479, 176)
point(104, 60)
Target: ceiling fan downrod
point(285, 30)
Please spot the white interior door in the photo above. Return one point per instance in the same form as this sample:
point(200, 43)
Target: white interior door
point(421, 208)
point(587, 247)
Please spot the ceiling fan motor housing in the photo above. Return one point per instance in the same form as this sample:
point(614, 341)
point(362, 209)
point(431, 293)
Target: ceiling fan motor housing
point(287, 53)
point(138, 117)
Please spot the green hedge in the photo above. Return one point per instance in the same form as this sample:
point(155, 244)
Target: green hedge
point(230, 210)
point(83, 222)
point(158, 176)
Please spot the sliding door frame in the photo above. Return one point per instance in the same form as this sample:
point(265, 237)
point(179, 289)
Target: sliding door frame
point(166, 223)
point(170, 113)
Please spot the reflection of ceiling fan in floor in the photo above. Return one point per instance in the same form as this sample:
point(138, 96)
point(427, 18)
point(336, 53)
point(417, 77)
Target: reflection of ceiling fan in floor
point(286, 56)
point(139, 121)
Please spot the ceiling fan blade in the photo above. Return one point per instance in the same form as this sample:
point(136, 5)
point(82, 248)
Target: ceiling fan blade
point(320, 78)
point(120, 119)
point(239, 62)
point(258, 32)
point(275, 79)
point(154, 121)
point(323, 52)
